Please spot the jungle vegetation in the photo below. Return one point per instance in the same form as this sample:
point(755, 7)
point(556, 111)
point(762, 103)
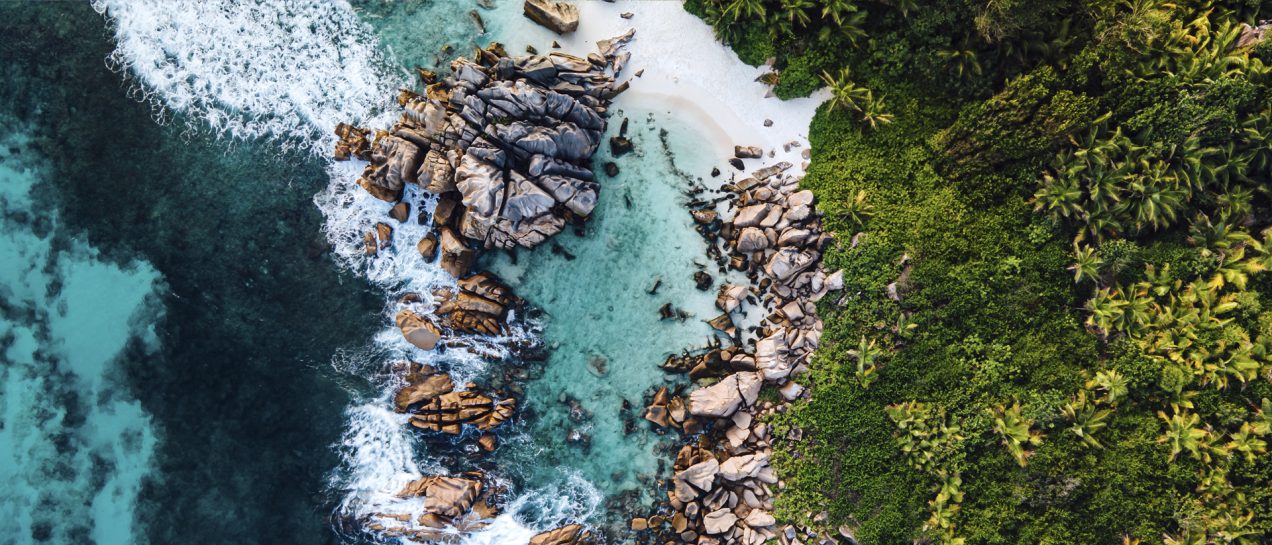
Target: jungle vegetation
point(1055, 222)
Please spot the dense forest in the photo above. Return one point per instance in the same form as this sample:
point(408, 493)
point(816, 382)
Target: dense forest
point(1054, 221)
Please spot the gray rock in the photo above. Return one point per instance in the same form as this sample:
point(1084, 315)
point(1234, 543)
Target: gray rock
point(559, 17)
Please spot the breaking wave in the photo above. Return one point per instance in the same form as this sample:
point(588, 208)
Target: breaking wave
point(271, 68)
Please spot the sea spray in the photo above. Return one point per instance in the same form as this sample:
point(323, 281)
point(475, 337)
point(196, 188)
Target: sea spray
point(284, 70)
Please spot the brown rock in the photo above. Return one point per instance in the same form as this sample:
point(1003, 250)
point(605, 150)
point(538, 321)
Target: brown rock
point(488, 442)
point(457, 257)
point(448, 210)
point(353, 142)
point(572, 534)
point(428, 246)
point(422, 389)
point(417, 330)
point(384, 232)
point(448, 497)
point(401, 212)
point(559, 17)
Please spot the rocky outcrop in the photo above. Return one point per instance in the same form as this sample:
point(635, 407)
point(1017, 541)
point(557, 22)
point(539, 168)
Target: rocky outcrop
point(507, 141)
point(479, 305)
point(557, 16)
point(430, 398)
point(450, 504)
point(723, 487)
point(572, 534)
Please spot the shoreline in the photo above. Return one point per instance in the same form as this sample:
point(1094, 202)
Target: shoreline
point(681, 60)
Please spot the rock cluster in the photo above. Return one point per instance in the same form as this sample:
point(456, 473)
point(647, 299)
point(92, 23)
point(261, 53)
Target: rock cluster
point(448, 502)
point(479, 304)
point(723, 486)
point(434, 404)
point(506, 142)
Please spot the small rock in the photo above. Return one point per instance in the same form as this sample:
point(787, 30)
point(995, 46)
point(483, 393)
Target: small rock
point(626, 15)
point(768, 122)
point(702, 280)
point(428, 247)
point(747, 152)
point(401, 212)
point(736, 163)
point(611, 169)
point(619, 145)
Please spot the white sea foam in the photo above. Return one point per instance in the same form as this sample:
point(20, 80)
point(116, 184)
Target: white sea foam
point(287, 70)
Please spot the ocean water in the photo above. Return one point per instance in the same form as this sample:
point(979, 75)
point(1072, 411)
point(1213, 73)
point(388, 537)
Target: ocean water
point(74, 445)
point(182, 245)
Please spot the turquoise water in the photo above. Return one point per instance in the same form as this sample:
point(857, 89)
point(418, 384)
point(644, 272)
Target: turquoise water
point(74, 445)
point(602, 327)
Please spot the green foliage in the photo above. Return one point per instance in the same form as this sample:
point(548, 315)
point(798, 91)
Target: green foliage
point(1081, 352)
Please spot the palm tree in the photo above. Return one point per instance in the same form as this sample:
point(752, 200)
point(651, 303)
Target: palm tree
point(1058, 197)
point(843, 92)
point(1106, 308)
point(797, 11)
point(1086, 264)
point(739, 9)
point(856, 210)
point(1182, 433)
point(873, 112)
point(1086, 418)
point(963, 62)
point(1016, 431)
point(904, 6)
point(836, 10)
point(1113, 383)
point(865, 354)
point(1247, 441)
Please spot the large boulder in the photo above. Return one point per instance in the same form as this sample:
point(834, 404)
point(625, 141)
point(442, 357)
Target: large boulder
point(448, 497)
point(423, 387)
point(457, 257)
point(772, 357)
point(418, 330)
point(559, 17)
point(752, 239)
point(719, 521)
point(506, 142)
point(719, 400)
point(743, 467)
point(479, 306)
point(701, 475)
point(572, 534)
